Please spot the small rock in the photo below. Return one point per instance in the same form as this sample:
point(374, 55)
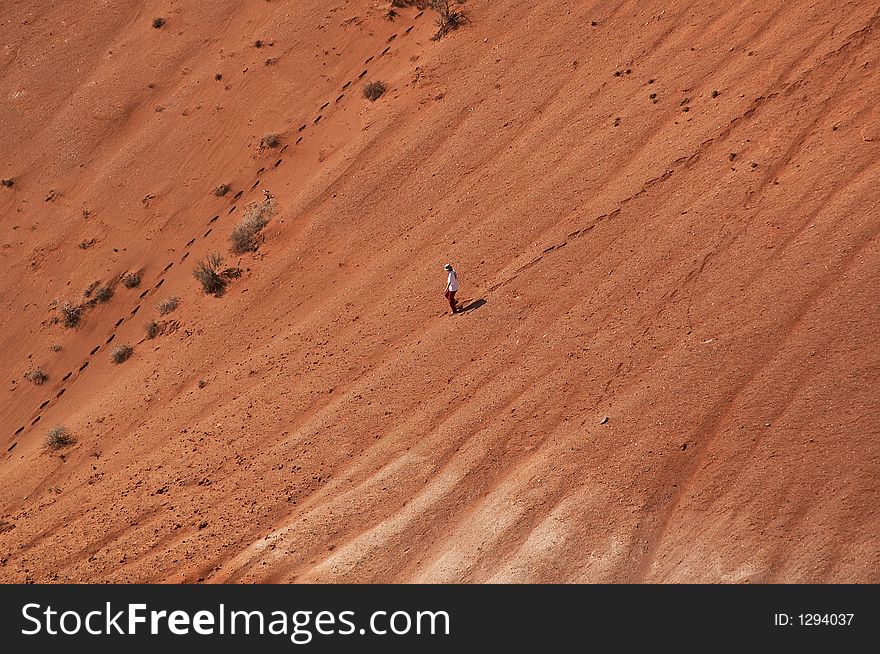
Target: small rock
point(603, 420)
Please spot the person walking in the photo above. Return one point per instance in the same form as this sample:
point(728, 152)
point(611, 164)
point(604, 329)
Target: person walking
point(451, 287)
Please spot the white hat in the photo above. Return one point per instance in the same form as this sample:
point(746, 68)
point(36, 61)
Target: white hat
point(447, 266)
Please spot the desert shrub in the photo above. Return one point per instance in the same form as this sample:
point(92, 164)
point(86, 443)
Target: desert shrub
point(104, 293)
point(448, 19)
point(7, 182)
point(207, 272)
point(222, 190)
point(218, 76)
point(158, 22)
point(256, 217)
point(373, 90)
point(121, 353)
point(167, 305)
point(152, 329)
point(715, 94)
point(131, 280)
point(58, 437)
point(91, 288)
point(71, 314)
point(36, 376)
point(270, 141)
point(55, 347)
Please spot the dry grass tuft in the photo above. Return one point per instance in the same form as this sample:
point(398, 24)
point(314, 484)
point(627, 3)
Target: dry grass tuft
point(373, 90)
point(59, 437)
point(256, 217)
point(121, 353)
point(131, 280)
point(167, 305)
point(448, 19)
point(71, 314)
point(36, 376)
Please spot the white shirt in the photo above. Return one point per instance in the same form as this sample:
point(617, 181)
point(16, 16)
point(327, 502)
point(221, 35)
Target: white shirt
point(452, 281)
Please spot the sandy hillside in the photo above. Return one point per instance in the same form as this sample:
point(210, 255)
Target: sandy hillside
point(665, 218)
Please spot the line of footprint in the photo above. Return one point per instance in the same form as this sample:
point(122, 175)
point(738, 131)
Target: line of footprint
point(62, 389)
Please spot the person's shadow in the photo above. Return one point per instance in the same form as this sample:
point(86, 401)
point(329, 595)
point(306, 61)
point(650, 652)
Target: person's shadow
point(476, 304)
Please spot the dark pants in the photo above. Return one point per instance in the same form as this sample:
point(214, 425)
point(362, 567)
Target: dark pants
point(450, 295)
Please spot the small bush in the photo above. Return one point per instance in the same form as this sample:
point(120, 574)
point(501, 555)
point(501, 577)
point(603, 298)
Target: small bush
point(91, 288)
point(59, 437)
point(37, 376)
point(258, 43)
point(218, 76)
point(158, 22)
point(270, 141)
point(167, 305)
point(152, 328)
point(715, 94)
point(7, 182)
point(55, 347)
point(447, 19)
point(121, 353)
point(222, 190)
point(208, 273)
point(104, 294)
point(71, 314)
point(373, 90)
point(131, 280)
point(256, 217)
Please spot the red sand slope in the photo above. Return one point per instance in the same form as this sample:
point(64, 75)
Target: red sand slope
point(701, 270)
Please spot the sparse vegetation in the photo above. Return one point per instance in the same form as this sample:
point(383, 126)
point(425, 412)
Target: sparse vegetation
point(373, 90)
point(167, 305)
point(258, 43)
point(121, 353)
point(37, 376)
point(152, 329)
point(91, 288)
point(59, 437)
point(256, 217)
point(448, 19)
point(55, 347)
point(131, 280)
point(7, 182)
point(218, 76)
point(103, 294)
point(158, 22)
point(208, 273)
point(270, 141)
point(715, 94)
point(71, 314)
point(222, 190)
